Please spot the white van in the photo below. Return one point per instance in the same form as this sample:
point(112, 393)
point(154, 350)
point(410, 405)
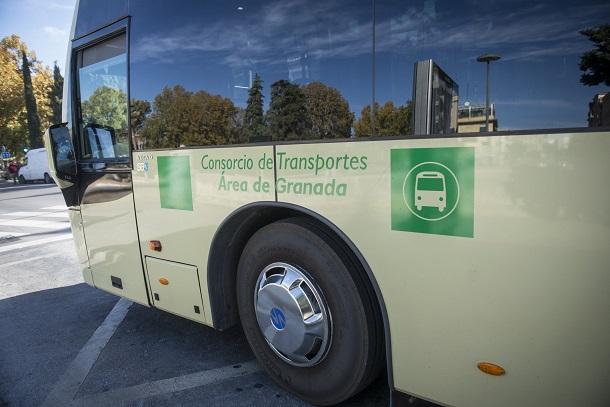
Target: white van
point(36, 167)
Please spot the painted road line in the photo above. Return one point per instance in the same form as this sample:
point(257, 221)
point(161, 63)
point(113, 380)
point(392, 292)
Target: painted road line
point(66, 387)
point(24, 245)
point(32, 223)
point(44, 256)
point(4, 235)
point(175, 384)
point(55, 208)
point(60, 214)
point(27, 186)
point(23, 214)
point(56, 215)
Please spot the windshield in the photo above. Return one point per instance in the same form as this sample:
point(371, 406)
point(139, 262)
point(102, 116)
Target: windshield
point(430, 184)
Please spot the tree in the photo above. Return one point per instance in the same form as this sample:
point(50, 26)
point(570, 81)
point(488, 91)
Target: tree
point(596, 63)
point(16, 121)
point(42, 83)
point(329, 113)
point(56, 95)
point(180, 117)
point(287, 115)
point(13, 131)
point(364, 125)
point(30, 103)
point(254, 120)
point(138, 111)
point(107, 107)
point(389, 120)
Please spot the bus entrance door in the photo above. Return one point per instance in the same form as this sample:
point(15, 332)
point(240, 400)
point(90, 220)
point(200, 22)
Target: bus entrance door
point(109, 223)
point(104, 169)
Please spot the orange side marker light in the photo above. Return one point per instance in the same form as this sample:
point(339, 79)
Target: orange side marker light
point(491, 368)
point(164, 281)
point(154, 245)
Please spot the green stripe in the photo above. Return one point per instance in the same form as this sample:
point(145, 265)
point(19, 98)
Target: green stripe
point(175, 182)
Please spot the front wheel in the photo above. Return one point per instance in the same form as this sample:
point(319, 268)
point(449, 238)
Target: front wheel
point(47, 179)
point(308, 314)
point(22, 179)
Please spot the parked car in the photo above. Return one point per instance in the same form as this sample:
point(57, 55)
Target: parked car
point(36, 167)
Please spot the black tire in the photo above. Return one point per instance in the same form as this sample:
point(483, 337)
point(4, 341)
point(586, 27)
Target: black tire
point(356, 355)
point(48, 179)
point(22, 180)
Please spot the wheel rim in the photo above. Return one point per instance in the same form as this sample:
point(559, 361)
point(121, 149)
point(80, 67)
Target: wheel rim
point(292, 315)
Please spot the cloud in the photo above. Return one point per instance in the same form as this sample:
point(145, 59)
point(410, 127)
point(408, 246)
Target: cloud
point(277, 31)
point(270, 35)
point(524, 33)
point(54, 31)
point(59, 6)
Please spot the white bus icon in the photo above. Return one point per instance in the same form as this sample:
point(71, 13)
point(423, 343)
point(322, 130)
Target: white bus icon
point(430, 190)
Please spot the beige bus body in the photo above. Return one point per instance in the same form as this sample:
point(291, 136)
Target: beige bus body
point(529, 290)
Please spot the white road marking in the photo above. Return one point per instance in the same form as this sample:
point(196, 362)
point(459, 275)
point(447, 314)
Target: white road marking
point(66, 387)
point(61, 214)
point(9, 234)
point(122, 395)
point(56, 215)
point(26, 186)
point(44, 256)
point(32, 223)
point(55, 208)
point(23, 245)
point(23, 214)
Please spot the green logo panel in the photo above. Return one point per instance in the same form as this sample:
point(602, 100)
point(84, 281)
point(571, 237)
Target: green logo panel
point(433, 190)
point(175, 182)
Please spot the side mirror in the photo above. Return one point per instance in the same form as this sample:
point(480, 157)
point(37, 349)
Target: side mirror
point(60, 150)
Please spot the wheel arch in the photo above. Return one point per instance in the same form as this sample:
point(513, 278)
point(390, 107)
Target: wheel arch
point(230, 239)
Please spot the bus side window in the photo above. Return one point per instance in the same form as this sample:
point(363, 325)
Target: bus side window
point(102, 87)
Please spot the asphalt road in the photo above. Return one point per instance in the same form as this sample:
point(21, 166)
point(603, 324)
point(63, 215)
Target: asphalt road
point(64, 343)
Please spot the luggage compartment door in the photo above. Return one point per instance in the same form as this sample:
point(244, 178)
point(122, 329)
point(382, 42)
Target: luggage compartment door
point(174, 287)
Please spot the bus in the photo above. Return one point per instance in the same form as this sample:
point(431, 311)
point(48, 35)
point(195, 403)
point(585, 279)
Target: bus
point(257, 163)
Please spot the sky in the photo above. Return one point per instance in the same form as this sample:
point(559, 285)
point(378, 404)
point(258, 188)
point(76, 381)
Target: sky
point(535, 85)
point(44, 25)
point(213, 45)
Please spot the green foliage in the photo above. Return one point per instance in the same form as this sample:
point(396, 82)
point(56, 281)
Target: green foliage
point(364, 125)
point(14, 129)
point(139, 110)
point(254, 119)
point(596, 63)
point(56, 94)
point(34, 133)
point(183, 118)
point(389, 120)
point(107, 107)
point(287, 115)
point(328, 111)
point(11, 90)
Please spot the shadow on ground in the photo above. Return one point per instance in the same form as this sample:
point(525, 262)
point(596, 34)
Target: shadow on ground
point(42, 332)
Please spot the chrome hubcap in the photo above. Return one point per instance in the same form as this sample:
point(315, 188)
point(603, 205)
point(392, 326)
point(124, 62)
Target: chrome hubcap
point(292, 315)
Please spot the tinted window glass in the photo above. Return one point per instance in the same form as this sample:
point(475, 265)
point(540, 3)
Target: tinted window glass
point(94, 14)
point(102, 83)
point(535, 84)
point(226, 72)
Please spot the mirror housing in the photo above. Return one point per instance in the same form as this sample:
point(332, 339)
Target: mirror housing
point(60, 151)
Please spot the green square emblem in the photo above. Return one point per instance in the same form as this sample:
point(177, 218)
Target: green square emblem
point(175, 182)
point(433, 190)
